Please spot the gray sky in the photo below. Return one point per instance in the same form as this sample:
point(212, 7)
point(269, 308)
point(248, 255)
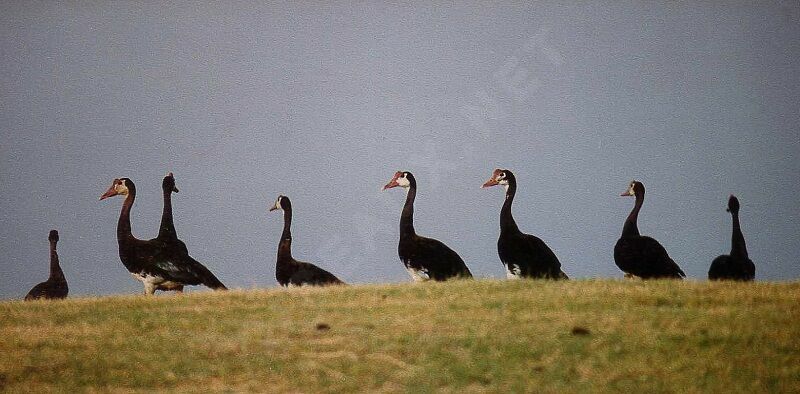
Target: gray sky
point(323, 103)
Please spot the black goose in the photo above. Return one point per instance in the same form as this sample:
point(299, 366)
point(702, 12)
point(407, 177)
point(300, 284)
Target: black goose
point(55, 287)
point(641, 256)
point(152, 262)
point(737, 265)
point(424, 258)
point(288, 271)
point(523, 255)
point(166, 231)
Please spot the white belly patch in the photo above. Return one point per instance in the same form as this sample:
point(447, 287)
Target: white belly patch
point(418, 275)
point(513, 271)
point(153, 280)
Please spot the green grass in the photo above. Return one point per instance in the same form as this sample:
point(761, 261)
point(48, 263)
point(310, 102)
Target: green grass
point(472, 336)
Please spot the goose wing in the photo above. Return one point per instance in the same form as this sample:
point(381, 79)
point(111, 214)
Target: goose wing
point(651, 260)
point(310, 274)
point(719, 267)
point(440, 262)
point(542, 261)
point(174, 265)
point(50, 289)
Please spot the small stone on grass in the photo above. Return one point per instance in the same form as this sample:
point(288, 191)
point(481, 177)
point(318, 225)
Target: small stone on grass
point(580, 331)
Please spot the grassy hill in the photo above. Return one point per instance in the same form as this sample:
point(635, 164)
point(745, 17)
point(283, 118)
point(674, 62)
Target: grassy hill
point(470, 336)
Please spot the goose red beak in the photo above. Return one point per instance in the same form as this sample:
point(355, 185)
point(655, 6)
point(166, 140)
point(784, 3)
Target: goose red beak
point(491, 182)
point(391, 184)
point(111, 192)
point(626, 194)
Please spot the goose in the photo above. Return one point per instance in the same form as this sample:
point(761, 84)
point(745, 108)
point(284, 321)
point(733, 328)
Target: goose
point(288, 271)
point(152, 262)
point(638, 255)
point(424, 258)
point(737, 265)
point(55, 287)
point(523, 255)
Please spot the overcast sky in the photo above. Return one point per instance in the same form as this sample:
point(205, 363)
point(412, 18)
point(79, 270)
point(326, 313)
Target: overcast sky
point(324, 102)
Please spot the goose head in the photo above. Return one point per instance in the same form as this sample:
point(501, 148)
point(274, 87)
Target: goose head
point(120, 187)
point(733, 204)
point(53, 237)
point(403, 179)
point(499, 177)
point(281, 203)
point(635, 189)
point(168, 184)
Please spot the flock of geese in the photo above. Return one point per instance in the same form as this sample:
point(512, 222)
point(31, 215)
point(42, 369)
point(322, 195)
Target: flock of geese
point(163, 263)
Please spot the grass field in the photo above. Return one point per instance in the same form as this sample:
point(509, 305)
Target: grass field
point(472, 336)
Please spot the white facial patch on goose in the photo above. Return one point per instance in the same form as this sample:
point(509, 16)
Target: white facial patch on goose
point(502, 180)
point(278, 203)
point(121, 188)
point(403, 182)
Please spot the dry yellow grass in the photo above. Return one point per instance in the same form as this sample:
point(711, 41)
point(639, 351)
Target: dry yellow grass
point(473, 336)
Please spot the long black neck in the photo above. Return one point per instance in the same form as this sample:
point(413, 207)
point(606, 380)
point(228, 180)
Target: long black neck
point(55, 268)
point(738, 247)
point(124, 223)
point(630, 228)
point(507, 223)
point(407, 217)
point(167, 228)
point(285, 244)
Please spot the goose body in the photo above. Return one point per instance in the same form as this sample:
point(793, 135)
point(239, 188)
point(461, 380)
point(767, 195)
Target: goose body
point(288, 271)
point(736, 265)
point(153, 262)
point(424, 258)
point(638, 255)
point(55, 287)
point(523, 255)
point(430, 259)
